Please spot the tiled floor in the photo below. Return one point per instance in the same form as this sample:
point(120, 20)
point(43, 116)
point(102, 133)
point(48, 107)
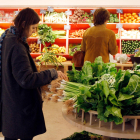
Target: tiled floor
point(57, 126)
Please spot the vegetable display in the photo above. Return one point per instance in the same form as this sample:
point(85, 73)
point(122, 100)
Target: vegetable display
point(113, 18)
point(47, 35)
point(129, 18)
point(34, 48)
point(55, 49)
point(128, 47)
point(80, 16)
point(98, 86)
point(50, 57)
point(77, 34)
point(55, 17)
point(129, 34)
point(73, 48)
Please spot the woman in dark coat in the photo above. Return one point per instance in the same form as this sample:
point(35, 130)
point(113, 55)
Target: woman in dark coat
point(21, 101)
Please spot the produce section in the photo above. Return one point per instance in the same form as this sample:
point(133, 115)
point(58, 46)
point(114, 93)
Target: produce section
point(67, 25)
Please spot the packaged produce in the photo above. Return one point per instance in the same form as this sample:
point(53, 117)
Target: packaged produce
point(77, 34)
point(130, 18)
point(54, 17)
point(122, 58)
point(128, 47)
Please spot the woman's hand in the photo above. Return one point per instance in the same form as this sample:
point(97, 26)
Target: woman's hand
point(62, 75)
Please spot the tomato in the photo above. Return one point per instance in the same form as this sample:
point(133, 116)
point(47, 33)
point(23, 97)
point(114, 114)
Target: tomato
point(121, 17)
point(129, 16)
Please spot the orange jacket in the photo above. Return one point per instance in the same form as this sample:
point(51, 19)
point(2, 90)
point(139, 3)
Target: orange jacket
point(99, 41)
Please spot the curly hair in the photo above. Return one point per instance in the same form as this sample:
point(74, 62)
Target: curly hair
point(100, 16)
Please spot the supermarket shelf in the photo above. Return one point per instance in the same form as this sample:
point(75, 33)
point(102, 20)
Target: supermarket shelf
point(53, 23)
point(34, 55)
point(130, 38)
point(75, 38)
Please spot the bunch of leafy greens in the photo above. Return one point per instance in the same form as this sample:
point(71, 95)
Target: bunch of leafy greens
point(91, 72)
point(84, 135)
point(49, 57)
point(46, 34)
point(112, 94)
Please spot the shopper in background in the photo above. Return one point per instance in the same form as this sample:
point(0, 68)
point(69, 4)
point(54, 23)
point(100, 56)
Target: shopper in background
point(98, 40)
point(21, 101)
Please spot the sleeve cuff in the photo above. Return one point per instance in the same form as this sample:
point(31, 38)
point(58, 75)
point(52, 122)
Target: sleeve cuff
point(54, 74)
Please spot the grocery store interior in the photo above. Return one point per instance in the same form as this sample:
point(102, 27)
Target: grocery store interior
point(61, 17)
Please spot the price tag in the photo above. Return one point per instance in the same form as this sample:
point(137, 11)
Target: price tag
point(16, 12)
point(42, 11)
point(68, 13)
point(92, 11)
point(38, 41)
point(119, 25)
point(50, 9)
point(67, 27)
point(119, 11)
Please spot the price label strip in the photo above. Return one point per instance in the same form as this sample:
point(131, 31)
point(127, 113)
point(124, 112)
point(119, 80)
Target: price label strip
point(119, 11)
point(119, 25)
point(68, 13)
point(67, 27)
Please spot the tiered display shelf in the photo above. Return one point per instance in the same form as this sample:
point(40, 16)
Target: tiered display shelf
point(89, 122)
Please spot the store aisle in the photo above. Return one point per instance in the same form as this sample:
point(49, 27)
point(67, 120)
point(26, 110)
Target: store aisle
point(57, 126)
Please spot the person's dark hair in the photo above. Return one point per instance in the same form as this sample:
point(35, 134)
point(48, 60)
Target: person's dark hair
point(100, 16)
point(27, 16)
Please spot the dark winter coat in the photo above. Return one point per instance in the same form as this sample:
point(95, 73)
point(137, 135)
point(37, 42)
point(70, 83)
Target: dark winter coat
point(22, 115)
